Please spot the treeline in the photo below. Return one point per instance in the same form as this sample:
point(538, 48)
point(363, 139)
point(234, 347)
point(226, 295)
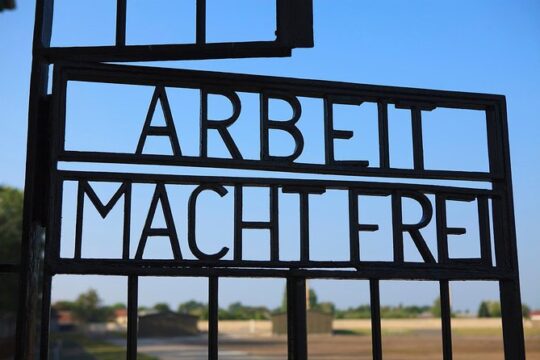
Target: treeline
point(88, 307)
point(489, 309)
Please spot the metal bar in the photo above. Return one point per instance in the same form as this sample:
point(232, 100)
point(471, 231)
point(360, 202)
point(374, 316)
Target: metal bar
point(133, 316)
point(354, 238)
point(442, 237)
point(484, 230)
point(397, 233)
point(248, 164)
point(238, 222)
point(143, 75)
point(201, 22)
point(296, 319)
point(213, 320)
point(506, 245)
point(304, 227)
point(375, 304)
point(79, 220)
point(9, 268)
point(171, 264)
point(294, 22)
point(274, 224)
point(446, 319)
point(121, 12)
point(418, 146)
point(384, 143)
point(127, 223)
point(364, 270)
point(163, 52)
point(263, 182)
point(512, 320)
point(32, 231)
point(46, 316)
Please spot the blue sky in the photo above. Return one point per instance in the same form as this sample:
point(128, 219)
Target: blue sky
point(480, 46)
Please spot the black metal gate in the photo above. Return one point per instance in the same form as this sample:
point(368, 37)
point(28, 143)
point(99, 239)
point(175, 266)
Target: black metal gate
point(46, 178)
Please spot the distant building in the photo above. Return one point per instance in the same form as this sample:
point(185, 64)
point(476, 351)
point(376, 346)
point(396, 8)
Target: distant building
point(535, 315)
point(120, 317)
point(167, 324)
point(317, 323)
point(62, 320)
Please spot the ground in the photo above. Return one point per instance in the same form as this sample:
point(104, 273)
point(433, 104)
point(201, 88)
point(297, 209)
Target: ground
point(337, 347)
point(252, 340)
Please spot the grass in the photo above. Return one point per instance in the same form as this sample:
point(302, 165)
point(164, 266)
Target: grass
point(80, 347)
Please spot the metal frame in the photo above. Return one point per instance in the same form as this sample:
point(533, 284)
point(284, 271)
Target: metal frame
point(44, 181)
point(294, 30)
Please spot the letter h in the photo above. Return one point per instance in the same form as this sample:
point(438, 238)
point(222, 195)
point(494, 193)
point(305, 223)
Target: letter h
point(240, 224)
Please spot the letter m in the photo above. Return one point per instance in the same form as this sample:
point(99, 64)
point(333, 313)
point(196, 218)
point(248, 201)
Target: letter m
point(103, 210)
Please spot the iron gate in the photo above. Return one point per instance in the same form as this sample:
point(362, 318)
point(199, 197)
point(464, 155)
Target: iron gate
point(46, 177)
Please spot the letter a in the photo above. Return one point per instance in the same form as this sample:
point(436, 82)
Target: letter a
point(168, 130)
point(160, 194)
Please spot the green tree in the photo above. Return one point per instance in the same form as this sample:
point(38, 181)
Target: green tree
point(162, 307)
point(118, 306)
point(88, 308)
point(489, 308)
point(64, 305)
point(326, 307)
point(436, 308)
point(11, 206)
point(194, 308)
point(313, 299)
point(526, 311)
point(483, 310)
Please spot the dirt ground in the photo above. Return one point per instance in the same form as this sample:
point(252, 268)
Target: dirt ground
point(402, 347)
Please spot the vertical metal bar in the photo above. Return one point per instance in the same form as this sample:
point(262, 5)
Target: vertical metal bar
point(127, 221)
point(201, 22)
point(328, 127)
point(304, 227)
point(33, 232)
point(418, 144)
point(384, 143)
point(294, 21)
point(484, 230)
point(354, 238)
point(238, 222)
point(265, 147)
point(375, 304)
point(296, 319)
point(441, 223)
point(121, 13)
point(504, 232)
point(45, 316)
point(213, 320)
point(274, 224)
point(397, 220)
point(132, 309)
point(203, 138)
point(79, 219)
point(512, 320)
point(444, 289)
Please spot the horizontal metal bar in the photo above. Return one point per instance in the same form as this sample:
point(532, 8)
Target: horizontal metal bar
point(371, 270)
point(256, 83)
point(151, 159)
point(261, 182)
point(167, 52)
point(9, 268)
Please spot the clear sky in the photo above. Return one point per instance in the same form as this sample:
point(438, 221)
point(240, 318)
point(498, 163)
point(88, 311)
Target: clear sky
point(481, 46)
